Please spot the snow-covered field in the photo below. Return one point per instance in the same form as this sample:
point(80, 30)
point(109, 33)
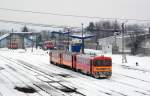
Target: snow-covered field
point(32, 73)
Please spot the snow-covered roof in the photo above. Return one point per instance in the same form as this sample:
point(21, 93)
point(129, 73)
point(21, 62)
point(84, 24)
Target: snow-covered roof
point(24, 32)
point(55, 32)
point(84, 36)
point(4, 36)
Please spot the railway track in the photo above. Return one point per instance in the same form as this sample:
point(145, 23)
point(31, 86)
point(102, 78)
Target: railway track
point(131, 77)
point(31, 81)
point(143, 91)
point(107, 93)
point(14, 73)
point(30, 68)
point(132, 68)
point(46, 75)
point(104, 89)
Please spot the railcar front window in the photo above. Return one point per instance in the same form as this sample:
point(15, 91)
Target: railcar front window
point(99, 62)
point(108, 62)
point(102, 62)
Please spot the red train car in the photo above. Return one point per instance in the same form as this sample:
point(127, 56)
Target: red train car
point(48, 45)
point(67, 59)
point(55, 57)
point(13, 45)
point(103, 66)
point(96, 66)
point(83, 63)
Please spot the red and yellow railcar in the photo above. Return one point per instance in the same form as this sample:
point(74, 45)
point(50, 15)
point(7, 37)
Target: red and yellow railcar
point(97, 66)
point(102, 66)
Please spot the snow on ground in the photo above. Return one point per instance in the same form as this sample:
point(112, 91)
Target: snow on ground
point(143, 61)
point(31, 69)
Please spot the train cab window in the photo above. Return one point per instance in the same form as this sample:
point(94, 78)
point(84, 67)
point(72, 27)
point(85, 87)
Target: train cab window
point(102, 63)
point(98, 63)
point(107, 62)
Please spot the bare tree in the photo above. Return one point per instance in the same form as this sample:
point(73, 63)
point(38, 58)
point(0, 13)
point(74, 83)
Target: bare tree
point(103, 28)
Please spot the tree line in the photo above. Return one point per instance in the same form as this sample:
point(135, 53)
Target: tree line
point(109, 27)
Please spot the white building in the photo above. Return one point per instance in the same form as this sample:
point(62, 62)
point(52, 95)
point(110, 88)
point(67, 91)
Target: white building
point(108, 43)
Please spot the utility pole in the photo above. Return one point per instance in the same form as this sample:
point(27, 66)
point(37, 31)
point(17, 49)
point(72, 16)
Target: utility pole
point(36, 42)
point(124, 59)
point(82, 40)
point(68, 38)
point(32, 42)
point(11, 33)
point(0, 40)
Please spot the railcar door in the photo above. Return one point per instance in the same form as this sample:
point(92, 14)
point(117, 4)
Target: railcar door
point(91, 67)
point(74, 60)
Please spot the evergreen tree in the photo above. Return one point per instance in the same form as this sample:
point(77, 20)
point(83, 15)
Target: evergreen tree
point(91, 27)
point(25, 29)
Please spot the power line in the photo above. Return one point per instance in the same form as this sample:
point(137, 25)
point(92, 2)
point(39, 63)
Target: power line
point(76, 16)
point(35, 24)
point(37, 12)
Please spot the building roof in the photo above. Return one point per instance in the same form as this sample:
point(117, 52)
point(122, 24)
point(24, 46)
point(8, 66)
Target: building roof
point(24, 33)
point(4, 36)
point(85, 36)
point(55, 32)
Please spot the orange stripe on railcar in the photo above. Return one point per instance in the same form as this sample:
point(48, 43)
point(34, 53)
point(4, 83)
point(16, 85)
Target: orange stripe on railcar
point(102, 69)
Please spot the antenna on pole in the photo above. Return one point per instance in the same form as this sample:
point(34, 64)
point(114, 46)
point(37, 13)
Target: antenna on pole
point(68, 39)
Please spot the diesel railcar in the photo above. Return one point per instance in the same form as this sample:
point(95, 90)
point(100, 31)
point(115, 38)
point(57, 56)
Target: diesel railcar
point(96, 66)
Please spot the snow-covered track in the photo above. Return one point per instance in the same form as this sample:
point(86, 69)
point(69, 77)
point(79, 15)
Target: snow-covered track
point(49, 79)
point(41, 73)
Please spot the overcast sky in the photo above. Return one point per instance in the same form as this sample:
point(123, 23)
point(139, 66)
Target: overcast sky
point(133, 9)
